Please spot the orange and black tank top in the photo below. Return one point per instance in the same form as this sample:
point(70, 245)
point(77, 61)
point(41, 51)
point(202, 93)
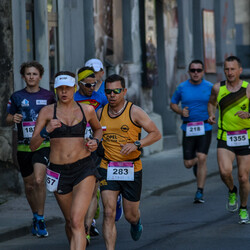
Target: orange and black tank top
point(119, 130)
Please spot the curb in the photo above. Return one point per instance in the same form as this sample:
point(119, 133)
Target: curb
point(25, 230)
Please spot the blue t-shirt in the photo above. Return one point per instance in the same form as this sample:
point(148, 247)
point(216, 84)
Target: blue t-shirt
point(28, 105)
point(196, 98)
point(101, 90)
point(97, 100)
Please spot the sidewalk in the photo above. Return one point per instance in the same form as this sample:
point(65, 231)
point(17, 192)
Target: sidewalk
point(161, 172)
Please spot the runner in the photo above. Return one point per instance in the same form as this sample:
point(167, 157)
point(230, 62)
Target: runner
point(121, 167)
point(194, 96)
point(97, 65)
point(232, 97)
point(71, 173)
point(23, 109)
point(87, 94)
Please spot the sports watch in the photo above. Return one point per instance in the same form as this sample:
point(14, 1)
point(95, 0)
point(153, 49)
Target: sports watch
point(97, 141)
point(137, 144)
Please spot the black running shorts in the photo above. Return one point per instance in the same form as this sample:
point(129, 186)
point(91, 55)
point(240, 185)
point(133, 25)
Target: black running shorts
point(241, 150)
point(26, 160)
point(195, 144)
point(73, 173)
point(130, 190)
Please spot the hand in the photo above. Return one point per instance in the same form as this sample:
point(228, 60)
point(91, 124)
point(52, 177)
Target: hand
point(242, 114)
point(127, 148)
point(17, 118)
point(91, 144)
point(185, 112)
point(52, 125)
point(211, 120)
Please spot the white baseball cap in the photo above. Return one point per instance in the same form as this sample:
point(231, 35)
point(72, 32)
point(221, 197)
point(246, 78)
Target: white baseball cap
point(96, 64)
point(64, 80)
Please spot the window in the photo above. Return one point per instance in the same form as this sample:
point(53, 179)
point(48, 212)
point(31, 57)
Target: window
point(53, 41)
point(29, 30)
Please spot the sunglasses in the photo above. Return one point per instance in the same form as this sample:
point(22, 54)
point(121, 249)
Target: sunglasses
point(197, 70)
point(88, 85)
point(116, 91)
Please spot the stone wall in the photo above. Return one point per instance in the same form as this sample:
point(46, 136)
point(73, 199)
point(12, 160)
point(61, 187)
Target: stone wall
point(9, 176)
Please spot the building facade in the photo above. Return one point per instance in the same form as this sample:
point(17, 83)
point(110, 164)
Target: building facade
point(149, 42)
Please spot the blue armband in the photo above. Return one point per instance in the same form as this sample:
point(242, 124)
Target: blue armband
point(44, 133)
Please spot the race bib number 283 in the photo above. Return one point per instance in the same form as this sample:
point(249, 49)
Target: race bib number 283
point(120, 171)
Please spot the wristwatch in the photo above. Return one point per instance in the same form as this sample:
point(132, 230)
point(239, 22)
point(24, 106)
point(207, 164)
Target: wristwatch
point(137, 144)
point(97, 141)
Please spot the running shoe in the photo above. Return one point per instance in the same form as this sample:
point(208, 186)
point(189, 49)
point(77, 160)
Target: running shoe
point(232, 204)
point(87, 239)
point(93, 229)
point(119, 211)
point(195, 170)
point(243, 215)
point(41, 229)
point(198, 197)
point(33, 230)
point(136, 230)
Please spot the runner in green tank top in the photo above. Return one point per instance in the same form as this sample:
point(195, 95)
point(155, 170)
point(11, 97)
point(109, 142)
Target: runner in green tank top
point(232, 97)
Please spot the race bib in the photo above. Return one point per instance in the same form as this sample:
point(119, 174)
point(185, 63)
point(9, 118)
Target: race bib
point(195, 129)
point(237, 138)
point(28, 129)
point(88, 131)
point(120, 171)
point(52, 180)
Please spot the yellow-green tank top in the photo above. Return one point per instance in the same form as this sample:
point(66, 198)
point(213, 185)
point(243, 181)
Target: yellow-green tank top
point(229, 104)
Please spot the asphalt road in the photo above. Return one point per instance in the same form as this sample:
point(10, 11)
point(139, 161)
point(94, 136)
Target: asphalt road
point(170, 220)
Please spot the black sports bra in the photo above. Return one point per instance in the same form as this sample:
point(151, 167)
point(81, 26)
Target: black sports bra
point(77, 130)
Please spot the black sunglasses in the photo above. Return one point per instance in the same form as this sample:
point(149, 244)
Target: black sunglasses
point(197, 70)
point(116, 91)
point(88, 85)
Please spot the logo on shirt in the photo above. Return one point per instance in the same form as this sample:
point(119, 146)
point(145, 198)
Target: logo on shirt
point(41, 102)
point(25, 103)
point(124, 128)
point(243, 107)
point(113, 137)
point(9, 104)
point(91, 102)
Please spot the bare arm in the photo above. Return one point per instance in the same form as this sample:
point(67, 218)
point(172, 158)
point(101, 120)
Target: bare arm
point(140, 118)
point(183, 112)
point(211, 106)
point(12, 119)
point(98, 113)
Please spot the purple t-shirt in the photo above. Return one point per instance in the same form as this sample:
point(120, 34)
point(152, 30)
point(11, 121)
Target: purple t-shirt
point(28, 105)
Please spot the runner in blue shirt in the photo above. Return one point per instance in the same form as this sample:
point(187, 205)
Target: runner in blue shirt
point(194, 95)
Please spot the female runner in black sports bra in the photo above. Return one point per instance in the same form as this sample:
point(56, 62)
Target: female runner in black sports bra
point(71, 174)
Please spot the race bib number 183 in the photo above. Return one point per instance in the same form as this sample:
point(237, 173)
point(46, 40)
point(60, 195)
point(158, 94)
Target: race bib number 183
point(28, 129)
